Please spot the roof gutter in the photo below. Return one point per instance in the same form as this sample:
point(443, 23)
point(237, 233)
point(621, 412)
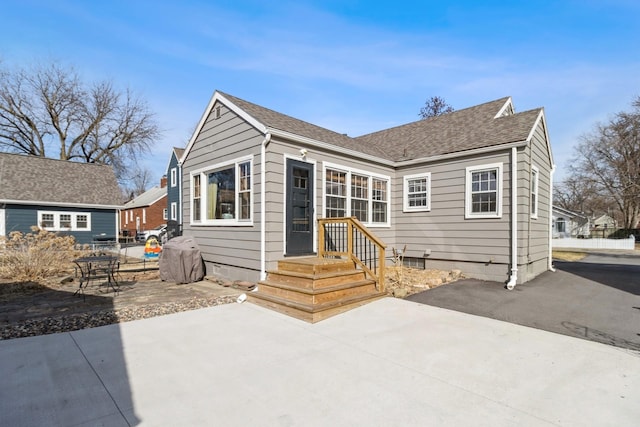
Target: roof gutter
point(329, 147)
point(70, 205)
point(263, 207)
point(472, 152)
point(514, 219)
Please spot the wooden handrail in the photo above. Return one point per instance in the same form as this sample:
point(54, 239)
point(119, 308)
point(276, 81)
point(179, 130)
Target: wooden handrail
point(347, 235)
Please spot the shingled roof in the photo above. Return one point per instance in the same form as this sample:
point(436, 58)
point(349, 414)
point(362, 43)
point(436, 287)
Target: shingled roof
point(38, 180)
point(147, 198)
point(471, 128)
point(275, 120)
point(456, 132)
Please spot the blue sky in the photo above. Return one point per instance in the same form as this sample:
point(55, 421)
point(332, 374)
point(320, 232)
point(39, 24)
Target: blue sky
point(351, 66)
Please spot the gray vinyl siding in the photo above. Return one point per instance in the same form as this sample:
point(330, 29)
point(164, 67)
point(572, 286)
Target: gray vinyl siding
point(278, 152)
point(220, 140)
point(444, 232)
point(534, 238)
point(22, 217)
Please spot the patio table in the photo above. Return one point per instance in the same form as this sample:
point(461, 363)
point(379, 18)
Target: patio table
point(97, 266)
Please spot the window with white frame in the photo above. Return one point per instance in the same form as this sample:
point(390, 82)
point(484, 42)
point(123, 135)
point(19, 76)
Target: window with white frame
point(144, 215)
point(356, 193)
point(336, 193)
point(417, 192)
point(534, 191)
point(64, 221)
point(174, 211)
point(165, 214)
point(222, 194)
point(174, 177)
point(483, 191)
point(196, 199)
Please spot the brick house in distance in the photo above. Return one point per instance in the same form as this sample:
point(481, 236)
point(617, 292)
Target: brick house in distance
point(145, 212)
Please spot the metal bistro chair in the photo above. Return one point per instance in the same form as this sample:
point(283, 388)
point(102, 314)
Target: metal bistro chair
point(98, 266)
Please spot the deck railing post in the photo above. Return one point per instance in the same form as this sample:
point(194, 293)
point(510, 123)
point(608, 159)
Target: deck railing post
point(321, 237)
point(349, 236)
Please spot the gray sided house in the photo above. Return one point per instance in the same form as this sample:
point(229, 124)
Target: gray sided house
point(79, 199)
point(174, 186)
point(470, 189)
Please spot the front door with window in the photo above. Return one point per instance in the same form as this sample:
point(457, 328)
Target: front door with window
point(299, 209)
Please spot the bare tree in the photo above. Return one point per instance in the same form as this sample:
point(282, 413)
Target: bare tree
point(48, 111)
point(579, 196)
point(608, 159)
point(435, 106)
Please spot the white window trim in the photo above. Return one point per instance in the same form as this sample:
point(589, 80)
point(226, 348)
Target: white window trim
point(535, 180)
point(56, 220)
point(174, 211)
point(371, 175)
point(406, 207)
point(203, 196)
point(467, 192)
point(144, 215)
point(174, 176)
point(165, 214)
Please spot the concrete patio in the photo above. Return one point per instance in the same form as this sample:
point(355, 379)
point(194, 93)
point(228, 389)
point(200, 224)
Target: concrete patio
point(391, 362)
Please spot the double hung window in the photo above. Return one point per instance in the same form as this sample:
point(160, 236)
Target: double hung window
point(483, 198)
point(534, 192)
point(417, 192)
point(356, 193)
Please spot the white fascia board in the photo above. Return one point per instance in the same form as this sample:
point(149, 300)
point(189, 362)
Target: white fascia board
point(506, 105)
point(70, 205)
point(218, 97)
point(457, 154)
point(328, 147)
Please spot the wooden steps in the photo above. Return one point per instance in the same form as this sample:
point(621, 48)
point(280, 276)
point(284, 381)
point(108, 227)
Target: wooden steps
point(313, 288)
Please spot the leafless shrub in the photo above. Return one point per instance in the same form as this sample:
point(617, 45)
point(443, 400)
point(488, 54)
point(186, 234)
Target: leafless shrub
point(36, 255)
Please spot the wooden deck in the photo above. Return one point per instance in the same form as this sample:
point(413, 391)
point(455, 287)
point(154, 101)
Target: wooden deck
point(314, 288)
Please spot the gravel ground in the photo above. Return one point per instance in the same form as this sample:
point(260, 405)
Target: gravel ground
point(31, 309)
point(77, 321)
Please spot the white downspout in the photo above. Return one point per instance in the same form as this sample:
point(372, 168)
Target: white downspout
point(551, 172)
point(514, 219)
point(263, 208)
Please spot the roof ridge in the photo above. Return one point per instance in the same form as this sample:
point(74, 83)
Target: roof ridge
point(440, 117)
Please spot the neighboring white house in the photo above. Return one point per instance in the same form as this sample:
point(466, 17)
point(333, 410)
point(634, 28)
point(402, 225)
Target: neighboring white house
point(603, 226)
point(566, 223)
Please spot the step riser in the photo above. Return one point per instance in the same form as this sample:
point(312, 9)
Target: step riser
point(317, 297)
point(315, 268)
point(311, 283)
point(314, 316)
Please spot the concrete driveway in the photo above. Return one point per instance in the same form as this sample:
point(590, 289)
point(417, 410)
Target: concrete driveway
point(597, 298)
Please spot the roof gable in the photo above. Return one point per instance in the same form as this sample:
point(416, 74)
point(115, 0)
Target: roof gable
point(33, 179)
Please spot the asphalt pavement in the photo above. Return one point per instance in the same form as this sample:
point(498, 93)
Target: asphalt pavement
point(597, 298)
